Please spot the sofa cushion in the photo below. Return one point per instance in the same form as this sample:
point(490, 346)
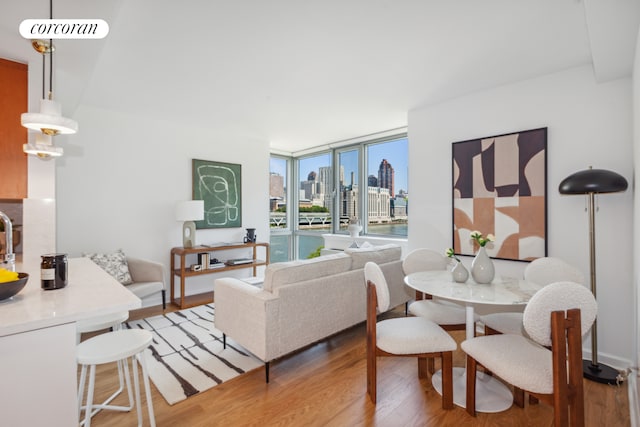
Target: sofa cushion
point(114, 263)
point(284, 273)
point(378, 254)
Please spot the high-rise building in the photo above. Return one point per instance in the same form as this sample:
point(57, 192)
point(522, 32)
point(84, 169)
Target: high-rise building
point(385, 176)
point(276, 185)
point(372, 181)
point(325, 185)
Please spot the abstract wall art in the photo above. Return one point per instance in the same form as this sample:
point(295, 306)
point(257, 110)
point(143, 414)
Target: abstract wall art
point(219, 185)
point(499, 188)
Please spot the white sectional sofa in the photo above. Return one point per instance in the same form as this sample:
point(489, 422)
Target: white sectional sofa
point(302, 302)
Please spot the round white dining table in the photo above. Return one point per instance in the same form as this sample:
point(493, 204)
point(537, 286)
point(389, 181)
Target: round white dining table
point(491, 394)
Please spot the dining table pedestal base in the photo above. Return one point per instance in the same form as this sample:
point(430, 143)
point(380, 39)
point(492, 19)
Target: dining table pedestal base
point(491, 394)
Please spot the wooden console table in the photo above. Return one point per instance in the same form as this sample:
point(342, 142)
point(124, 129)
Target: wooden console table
point(183, 271)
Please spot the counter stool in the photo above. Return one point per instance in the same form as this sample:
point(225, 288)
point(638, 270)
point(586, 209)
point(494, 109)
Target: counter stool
point(113, 321)
point(110, 321)
point(113, 347)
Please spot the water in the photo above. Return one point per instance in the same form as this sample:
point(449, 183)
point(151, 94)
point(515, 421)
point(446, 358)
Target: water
point(308, 244)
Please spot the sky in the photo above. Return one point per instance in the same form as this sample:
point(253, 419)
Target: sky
point(396, 153)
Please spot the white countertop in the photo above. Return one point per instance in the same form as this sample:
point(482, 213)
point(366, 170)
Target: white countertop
point(90, 292)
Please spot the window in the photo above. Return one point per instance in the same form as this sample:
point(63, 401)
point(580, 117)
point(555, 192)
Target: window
point(315, 202)
point(387, 189)
point(280, 247)
point(327, 194)
point(349, 183)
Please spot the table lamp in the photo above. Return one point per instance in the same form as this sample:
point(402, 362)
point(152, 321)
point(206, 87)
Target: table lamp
point(591, 182)
point(189, 211)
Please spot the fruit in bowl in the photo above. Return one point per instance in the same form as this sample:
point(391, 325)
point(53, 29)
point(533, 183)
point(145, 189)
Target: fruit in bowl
point(11, 283)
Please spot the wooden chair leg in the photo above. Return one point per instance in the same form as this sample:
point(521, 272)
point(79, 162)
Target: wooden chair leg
point(447, 380)
point(423, 366)
point(371, 373)
point(431, 366)
point(518, 397)
point(576, 383)
point(533, 400)
point(471, 385)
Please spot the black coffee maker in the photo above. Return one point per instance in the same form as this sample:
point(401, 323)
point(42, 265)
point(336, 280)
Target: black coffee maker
point(251, 236)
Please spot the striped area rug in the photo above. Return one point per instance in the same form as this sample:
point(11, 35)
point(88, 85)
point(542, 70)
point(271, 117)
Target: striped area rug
point(186, 356)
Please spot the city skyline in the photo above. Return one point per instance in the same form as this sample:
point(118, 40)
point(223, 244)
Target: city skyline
point(396, 155)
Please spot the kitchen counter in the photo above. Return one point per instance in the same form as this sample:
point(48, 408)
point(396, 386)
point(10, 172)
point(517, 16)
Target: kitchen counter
point(90, 292)
point(38, 343)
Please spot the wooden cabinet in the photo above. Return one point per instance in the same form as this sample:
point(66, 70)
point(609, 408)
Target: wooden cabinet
point(13, 102)
point(183, 271)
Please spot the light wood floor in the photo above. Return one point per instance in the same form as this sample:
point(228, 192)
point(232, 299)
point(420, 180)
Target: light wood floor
point(325, 385)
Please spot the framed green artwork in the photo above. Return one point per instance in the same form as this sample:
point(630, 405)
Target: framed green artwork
point(220, 186)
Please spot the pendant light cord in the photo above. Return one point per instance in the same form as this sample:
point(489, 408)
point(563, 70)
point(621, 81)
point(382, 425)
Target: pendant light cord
point(51, 53)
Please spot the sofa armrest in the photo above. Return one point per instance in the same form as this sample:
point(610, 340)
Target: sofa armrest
point(145, 271)
point(247, 314)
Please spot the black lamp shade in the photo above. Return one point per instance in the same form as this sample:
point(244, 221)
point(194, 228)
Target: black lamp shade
point(593, 181)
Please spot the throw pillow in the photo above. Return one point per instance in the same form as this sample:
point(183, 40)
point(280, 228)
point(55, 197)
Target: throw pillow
point(114, 263)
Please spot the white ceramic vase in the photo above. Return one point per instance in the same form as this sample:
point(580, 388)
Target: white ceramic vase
point(354, 230)
point(459, 272)
point(482, 269)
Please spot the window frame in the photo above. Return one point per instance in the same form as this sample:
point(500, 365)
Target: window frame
point(360, 145)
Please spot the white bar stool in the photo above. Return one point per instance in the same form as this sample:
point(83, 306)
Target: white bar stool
point(114, 322)
point(113, 347)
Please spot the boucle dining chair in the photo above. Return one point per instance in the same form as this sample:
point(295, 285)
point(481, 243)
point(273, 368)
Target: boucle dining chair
point(404, 337)
point(557, 316)
point(449, 315)
point(542, 271)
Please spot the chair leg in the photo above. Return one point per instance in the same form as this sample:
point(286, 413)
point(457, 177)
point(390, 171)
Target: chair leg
point(431, 366)
point(423, 366)
point(471, 385)
point(89, 407)
point(371, 375)
point(224, 341)
point(447, 380)
point(164, 299)
point(83, 378)
point(518, 397)
point(147, 388)
point(266, 372)
point(136, 386)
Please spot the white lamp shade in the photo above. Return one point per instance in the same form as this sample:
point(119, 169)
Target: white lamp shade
point(49, 120)
point(191, 210)
point(43, 147)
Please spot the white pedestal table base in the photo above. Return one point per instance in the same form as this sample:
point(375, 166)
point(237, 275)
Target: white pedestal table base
point(491, 394)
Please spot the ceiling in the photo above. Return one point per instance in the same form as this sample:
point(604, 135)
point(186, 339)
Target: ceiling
point(304, 73)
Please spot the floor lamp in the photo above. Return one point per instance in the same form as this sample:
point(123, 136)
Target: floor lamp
point(591, 182)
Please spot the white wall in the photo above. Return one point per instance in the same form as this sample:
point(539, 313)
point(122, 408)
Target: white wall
point(588, 124)
point(636, 217)
point(122, 175)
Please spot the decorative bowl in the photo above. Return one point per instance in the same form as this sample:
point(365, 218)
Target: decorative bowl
point(9, 289)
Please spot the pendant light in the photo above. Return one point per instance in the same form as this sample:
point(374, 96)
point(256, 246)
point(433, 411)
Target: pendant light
point(49, 121)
